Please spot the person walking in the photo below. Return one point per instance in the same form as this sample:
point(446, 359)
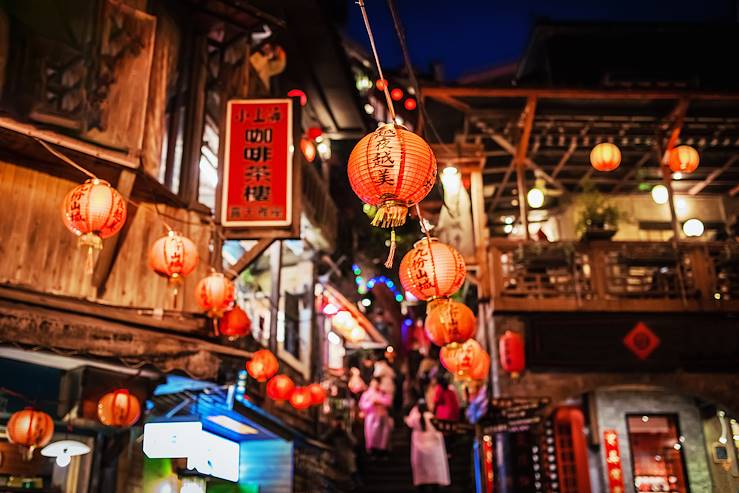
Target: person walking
point(428, 453)
point(378, 424)
point(446, 403)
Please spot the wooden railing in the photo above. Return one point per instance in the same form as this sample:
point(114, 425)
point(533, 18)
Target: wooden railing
point(614, 276)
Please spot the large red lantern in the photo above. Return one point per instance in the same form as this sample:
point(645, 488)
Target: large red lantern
point(280, 388)
point(481, 370)
point(119, 408)
point(463, 360)
point(263, 365)
point(214, 293)
point(449, 322)
point(391, 169)
point(30, 428)
point(430, 273)
point(512, 353)
point(605, 156)
point(683, 159)
point(317, 394)
point(235, 323)
point(173, 256)
point(301, 398)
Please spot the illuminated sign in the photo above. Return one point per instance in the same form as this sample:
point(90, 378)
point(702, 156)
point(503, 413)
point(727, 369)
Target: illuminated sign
point(170, 440)
point(215, 456)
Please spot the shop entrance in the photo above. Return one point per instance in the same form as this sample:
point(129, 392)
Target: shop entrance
point(657, 459)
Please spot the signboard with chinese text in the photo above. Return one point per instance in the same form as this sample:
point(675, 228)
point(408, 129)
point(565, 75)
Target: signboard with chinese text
point(258, 178)
point(613, 461)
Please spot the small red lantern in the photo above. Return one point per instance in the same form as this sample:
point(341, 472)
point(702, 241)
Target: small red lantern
point(512, 353)
point(313, 133)
point(119, 408)
point(30, 429)
point(449, 322)
point(235, 323)
point(605, 156)
point(214, 294)
point(173, 256)
point(297, 93)
point(301, 398)
point(317, 394)
point(463, 360)
point(308, 148)
point(262, 365)
point(410, 104)
point(280, 388)
point(381, 84)
point(684, 159)
point(435, 272)
point(396, 94)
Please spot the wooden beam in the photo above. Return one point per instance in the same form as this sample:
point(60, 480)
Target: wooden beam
point(248, 257)
point(506, 144)
point(520, 160)
point(698, 187)
point(565, 157)
point(734, 191)
point(454, 103)
point(563, 93)
point(678, 116)
point(503, 184)
point(633, 171)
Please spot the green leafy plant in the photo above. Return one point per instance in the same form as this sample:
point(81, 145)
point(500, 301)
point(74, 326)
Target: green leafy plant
point(597, 212)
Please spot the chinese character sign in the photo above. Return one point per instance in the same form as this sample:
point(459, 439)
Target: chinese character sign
point(613, 461)
point(257, 172)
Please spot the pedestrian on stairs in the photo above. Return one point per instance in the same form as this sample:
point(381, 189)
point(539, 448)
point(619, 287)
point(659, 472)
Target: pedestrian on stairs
point(428, 453)
point(378, 424)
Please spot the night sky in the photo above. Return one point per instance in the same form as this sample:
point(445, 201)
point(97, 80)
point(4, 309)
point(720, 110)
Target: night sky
point(467, 36)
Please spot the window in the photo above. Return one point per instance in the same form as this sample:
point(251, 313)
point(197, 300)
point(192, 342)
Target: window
point(253, 286)
point(657, 453)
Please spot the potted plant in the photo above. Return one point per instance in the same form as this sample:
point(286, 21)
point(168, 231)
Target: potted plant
point(599, 218)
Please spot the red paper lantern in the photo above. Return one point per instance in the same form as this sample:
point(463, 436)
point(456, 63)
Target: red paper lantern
point(214, 293)
point(119, 408)
point(30, 428)
point(308, 148)
point(449, 322)
point(300, 398)
point(317, 394)
point(391, 169)
point(605, 157)
point(313, 133)
point(173, 256)
point(381, 84)
point(93, 211)
point(262, 365)
point(297, 93)
point(280, 388)
point(481, 370)
point(512, 353)
point(396, 94)
point(684, 159)
point(410, 104)
point(464, 360)
point(435, 272)
point(235, 323)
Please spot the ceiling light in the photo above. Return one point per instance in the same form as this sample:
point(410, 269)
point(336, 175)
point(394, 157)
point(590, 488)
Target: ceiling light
point(693, 228)
point(660, 194)
point(535, 198)
point(64, 450)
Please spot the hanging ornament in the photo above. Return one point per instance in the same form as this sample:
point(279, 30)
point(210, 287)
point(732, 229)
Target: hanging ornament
point(214, 293)
point(481, 370)
point(605, 156)
point(463, 360)
point(391, 169)
point(308, 148)
point(512, 353)
point(300, 398)
point(119, 408)
point(430, 273)
point(683, 159)
point(173, 256)
point(235, 323)
point(30, 429)
point(280, 388)
point(356, 384)
point(263, 365)
point(449, 322)
point(93, 211)
point(317, 394)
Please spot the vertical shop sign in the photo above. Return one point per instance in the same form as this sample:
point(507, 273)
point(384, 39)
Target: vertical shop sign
point(613, 462)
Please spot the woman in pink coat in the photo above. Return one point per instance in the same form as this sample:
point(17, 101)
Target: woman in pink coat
point(378, 424)
point(428, 453)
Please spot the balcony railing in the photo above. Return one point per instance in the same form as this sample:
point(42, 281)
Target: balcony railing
point(614, 276)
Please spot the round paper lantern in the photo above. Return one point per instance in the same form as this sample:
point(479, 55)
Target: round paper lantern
point(435, 272)
point(280, 388)
point(317, 394)
point(262, 365)
point(300, 398)
point(683, 159)
point(93, 211)
point(410, 104)
point(511, 351)
point(449, 322)
point(173, 256)
point(214, 293)
point(391, 169)
point(30, 428)
point(396, 94)
point(463, 360)
point(481, 370)
point(235, 323)
point(119, 408)
point(308, 148)
point(605, 157)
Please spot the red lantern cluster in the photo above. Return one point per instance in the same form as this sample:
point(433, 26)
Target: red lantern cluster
point(317, 394)
point(173, 256)
point(30, 428)
point(93, 211)
point(214, 294)
point(280, 388)
point(432, 270)
point(683, 159)
point(468, 361)
point(301, 398)
point(119, 409)
point(235, 323)
point(449, 322)
point(263, 365)
point(605, 156)
point(512, 352)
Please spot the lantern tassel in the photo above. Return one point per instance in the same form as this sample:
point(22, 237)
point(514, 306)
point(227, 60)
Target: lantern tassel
point(391, 253)
point(390, 215)
point(90, 261)
point(216, 332)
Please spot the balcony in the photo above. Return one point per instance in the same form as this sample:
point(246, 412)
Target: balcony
point(614, 276)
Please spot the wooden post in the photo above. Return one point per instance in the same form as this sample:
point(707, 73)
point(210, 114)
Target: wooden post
point(194, 121)
point(479, 220)
point(521, 149)
point(276, 268)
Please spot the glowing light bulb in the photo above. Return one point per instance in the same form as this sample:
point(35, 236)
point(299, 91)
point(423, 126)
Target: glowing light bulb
point(660, 194)
point(693, 228)
point(63, 459)
point(535, 198)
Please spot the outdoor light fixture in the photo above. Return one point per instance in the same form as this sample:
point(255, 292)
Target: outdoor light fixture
point(64, 450)
point(451, 179)
point(660, 194)
point(693, 228)
point(369, 109)
point(535, 198)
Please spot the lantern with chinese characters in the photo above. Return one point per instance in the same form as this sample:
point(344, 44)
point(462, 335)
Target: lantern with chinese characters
point(605, 156)
point(173, 256)
point(449, 322)
point(301, 398)
point(683, 159)
point(512, 354)
point(317, 394)
point(214, 294)
point(235, 323)
point(430, 273)
point(30, 429)
point(391, 169)
point(119, 408)
point(280, 388)
point(481, 370)
point(262, 365)
point(463, 360)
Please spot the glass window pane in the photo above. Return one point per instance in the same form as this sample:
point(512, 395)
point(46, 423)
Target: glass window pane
point(656, 453)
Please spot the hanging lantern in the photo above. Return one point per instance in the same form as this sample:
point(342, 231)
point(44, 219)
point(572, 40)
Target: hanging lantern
point(280, 388)
point(512, 354)
point(396, 94)
point(262, 365)
point(683, 159)
point(463, 360)
point(173, 256)
point(308, 148)
point(235, 323)
point(119, 408)
point(605, 156)
point(301, 398)
point(30, 429)
point(391, 169)
point(317, 394)
point(449, 322)
point(410, 104)
point(430, 273)
point(214, 293)
point(481, 370)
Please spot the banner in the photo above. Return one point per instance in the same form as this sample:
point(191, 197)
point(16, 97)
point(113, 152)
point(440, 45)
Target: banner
point(613, 461)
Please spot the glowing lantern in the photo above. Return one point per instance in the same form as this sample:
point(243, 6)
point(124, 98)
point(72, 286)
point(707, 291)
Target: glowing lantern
point(280, 388)
point(297, 93)
point(481, 370)
point(449, 322)
point(396, 94)
point(430, 273)
point(512, 354)
point(308, 148)
point(317, 394)
point(391, 169)
point(381, 84)
point(313, 133)
point(30, 429)
point(605, 157)
point(683, 159)
point(464, 360)
point(235, 323)
point(301, 398)
point(173, 256)
point(410, 104)
point(214, 294)
point(262, 365)
point(119, 408)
